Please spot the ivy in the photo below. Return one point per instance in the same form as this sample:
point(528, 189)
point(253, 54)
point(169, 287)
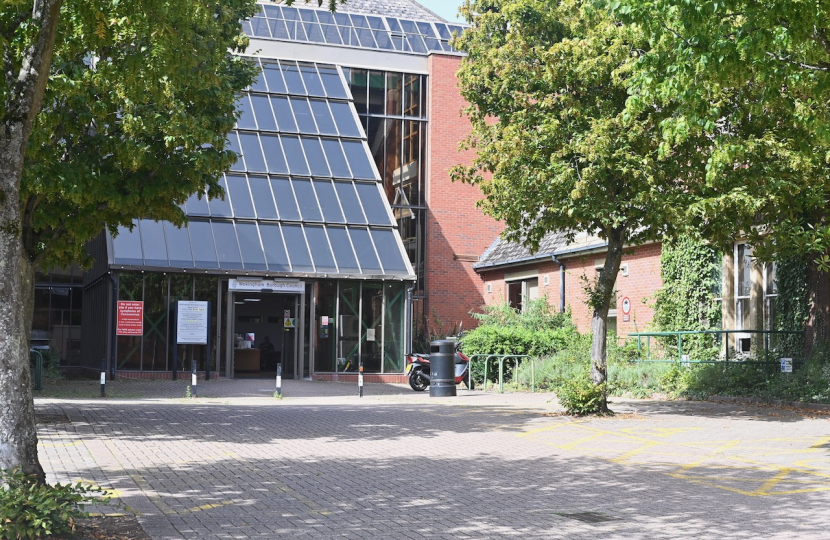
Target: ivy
point(792, 304)
point(691, 271)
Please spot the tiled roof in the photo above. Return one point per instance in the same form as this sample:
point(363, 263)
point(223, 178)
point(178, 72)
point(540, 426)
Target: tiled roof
point(502, 252)
point(405, 9)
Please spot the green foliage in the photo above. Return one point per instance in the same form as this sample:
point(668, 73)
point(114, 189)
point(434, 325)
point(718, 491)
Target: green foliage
point(29, 509)
point(792, 307)
point(580, 396)
point(691, 272)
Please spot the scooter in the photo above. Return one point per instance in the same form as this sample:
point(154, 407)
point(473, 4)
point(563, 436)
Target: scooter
point(417, 366)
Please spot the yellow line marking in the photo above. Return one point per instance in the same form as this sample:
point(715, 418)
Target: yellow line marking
point(573, 444)
point(631, 453)
point(210, 506)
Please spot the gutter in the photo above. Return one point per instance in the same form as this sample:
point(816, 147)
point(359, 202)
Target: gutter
point(561, 283)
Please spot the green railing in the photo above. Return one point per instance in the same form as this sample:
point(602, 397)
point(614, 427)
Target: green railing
point(502, 358)
point(725, 349)
point(37, 374)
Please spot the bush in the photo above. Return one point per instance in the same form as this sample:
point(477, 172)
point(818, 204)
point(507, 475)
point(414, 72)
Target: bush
point(580, 396)
point(32, 510)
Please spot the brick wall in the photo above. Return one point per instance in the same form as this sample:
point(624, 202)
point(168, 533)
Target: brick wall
point(639, 286)
point(457, 231)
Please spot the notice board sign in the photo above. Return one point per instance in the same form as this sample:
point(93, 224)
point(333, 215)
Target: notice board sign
point(130, 318)
point(191, 322)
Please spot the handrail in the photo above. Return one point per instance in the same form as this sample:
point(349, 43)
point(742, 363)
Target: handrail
point(680, 333)
point(502, 358)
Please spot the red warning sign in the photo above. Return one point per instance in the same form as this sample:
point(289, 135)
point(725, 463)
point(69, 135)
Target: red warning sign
point(130, 321)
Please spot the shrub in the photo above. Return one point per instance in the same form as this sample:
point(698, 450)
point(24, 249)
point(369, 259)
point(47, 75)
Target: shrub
point(32, 510)
point(580, 396)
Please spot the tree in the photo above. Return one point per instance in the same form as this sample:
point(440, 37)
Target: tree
point(547, 82)
point(750, 79)
point(119, 110)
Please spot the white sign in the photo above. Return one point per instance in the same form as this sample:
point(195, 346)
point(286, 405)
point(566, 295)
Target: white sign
point(286, 314)
point(324, 320)
point(626, 306)
point(267, 285)
point(786, 365)
point(192, 323)
point(370, 334)
point(684, 360)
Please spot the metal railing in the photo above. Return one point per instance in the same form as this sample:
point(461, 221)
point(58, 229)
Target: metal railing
point(502, 358)
point(724, 349)
point(37, 374)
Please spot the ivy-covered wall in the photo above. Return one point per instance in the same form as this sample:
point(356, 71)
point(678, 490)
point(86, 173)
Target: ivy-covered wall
point(792, 304)
point(691, 275)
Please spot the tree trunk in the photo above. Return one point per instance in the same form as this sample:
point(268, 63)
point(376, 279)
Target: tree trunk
point(601, 298)
point(18, 436)
point(816, 330)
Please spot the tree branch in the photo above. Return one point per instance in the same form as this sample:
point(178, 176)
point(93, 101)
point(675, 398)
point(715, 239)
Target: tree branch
point(824, 66)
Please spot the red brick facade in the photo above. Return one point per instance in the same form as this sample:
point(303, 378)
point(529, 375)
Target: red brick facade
point(457, 232)
point(639, 286)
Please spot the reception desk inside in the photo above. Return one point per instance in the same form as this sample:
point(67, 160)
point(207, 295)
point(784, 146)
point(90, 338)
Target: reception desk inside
point(246, 359)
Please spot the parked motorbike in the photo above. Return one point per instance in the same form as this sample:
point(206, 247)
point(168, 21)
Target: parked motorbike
point(417, 366)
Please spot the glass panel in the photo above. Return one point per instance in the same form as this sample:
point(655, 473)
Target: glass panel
point(328, 201)
point(373, 203)
point(178, 246)
point(272, 12)
point(126, 247)
point(274, 248)
point(293, 80)
point(273, 76)
point(263, 198)
point(359, 21)
point(250, 246)
point(197, 206)
point(331, 34)
point(390, 253)
point(359, 84)
point(307, 15)
point(345, 119)
point(285, 117)
point(290, 13)
point(348, 322)
point(201, 240)
point(246, 28)
point(394, 25)
point(274, 154)
point(259, 84)
point(152, 243)
point(240, 196)
point(337, 161)
point(312, 80)
point(325, 17)
point(324, 339)
point(226, 245)
point(246, 113)
point(279, 30)
point(128, 355)
point(412, 96)
point(349, 36)
point(375, 22)
point(416, 43)
point(221, 206)
point(425, 28)
point(297, 248)
point(358, 159)
point(365, 250)
point(394, 84)
point(233, 144)
point(455, 30)
point(154, 352)
point(372, 312)
point(302, 112)
point(307, 200)
point(443, 32)
point(433, 44)
point(322, 115)
point(254, 162)
point(264, 114)
point(394, 296)
point(343, 251)
point(382, 38)
point(259, 26)
point(316, 158)
point(320, 249)
point(294, 152)
point(377, 92)
point(364, 35)
point(342, 18)
point(285, 199)
point(314, 33)
point(349, 202)
point(332, 82)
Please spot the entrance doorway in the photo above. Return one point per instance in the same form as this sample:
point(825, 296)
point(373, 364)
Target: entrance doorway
point(265, 329)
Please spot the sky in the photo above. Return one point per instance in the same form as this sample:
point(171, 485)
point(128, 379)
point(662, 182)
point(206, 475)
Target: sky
point(447, 9)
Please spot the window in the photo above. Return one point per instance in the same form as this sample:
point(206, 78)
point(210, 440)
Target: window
point(520, 291)
point(743, 287)
point(770, 294)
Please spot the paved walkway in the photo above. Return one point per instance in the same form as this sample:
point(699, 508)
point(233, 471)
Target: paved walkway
point(323, 463)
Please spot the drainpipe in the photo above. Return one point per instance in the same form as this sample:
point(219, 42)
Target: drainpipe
point(408, 322)
point(561, 283)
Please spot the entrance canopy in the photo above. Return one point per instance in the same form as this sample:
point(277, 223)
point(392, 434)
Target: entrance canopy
point(304, 198)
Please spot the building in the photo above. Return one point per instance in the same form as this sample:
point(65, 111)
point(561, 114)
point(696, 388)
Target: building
point(340, 234)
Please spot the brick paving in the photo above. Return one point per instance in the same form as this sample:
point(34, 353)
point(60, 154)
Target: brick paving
point(323, 463)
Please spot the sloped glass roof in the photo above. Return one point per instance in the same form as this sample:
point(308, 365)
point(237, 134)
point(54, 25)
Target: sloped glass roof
point(303, 198)
point(350, 29)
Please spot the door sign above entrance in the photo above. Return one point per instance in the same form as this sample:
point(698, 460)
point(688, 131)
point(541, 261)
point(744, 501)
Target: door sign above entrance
point(266, 285)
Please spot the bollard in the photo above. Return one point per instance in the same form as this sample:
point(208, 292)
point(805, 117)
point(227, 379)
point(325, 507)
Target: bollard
point(103, 378)
point(360, 379)
point(279, 379)
point(193, 379)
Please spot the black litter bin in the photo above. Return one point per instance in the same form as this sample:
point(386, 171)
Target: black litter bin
point(442, 368)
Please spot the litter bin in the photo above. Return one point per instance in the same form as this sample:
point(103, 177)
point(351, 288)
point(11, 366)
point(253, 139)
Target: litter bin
point(442, 368)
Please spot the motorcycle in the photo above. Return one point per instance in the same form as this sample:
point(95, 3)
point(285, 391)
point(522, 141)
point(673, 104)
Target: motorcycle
point(417, 367)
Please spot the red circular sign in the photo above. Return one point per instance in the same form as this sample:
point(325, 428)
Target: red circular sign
point(626, 305)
